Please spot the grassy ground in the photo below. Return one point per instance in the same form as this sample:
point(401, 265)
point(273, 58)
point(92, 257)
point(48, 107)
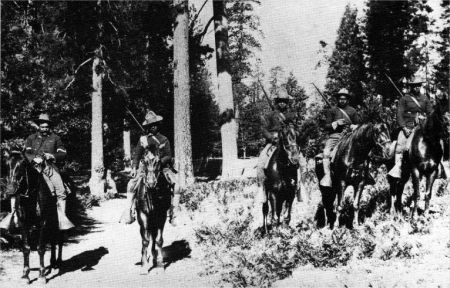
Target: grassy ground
point(226, 222)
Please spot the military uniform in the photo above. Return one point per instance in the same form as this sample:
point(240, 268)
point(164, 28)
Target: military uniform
point(337, 122)
point(270, 126)
point(165, 155)
point(409, 110)
point(36, 146)
point(149, 142)
point(336, 132)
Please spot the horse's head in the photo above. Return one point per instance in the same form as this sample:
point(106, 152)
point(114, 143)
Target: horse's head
point(12, 163)
point(288, 143)
point(153, 168)
point(382, 140)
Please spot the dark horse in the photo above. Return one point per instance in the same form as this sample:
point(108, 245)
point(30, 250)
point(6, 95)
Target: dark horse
point(281, 175)
point(36, 209)
point(350, 166)
point(153, 198)
point(421, 158)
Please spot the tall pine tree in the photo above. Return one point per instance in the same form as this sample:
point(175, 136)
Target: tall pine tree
point(346, 64)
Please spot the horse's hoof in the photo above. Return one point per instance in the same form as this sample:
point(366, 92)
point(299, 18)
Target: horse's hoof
point(144, 270)
point(42, 280)
point(25, 280)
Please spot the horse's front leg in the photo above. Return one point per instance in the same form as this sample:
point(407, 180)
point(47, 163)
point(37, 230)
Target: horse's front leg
point(41, 252)
point(159, 248)
point(340, 189)
point(265, 210)
point(26, 255)
point(428, 189)
point(152, 244)
point(415, 177)
point(144, 251)
point(356, 201)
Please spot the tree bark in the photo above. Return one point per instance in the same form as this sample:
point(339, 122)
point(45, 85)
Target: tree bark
point(228, 129)
point(209, 39)
point(126, 147)
point(182, 123)
point(97, 167)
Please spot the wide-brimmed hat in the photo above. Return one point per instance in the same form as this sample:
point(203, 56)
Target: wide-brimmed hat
point(151, 118)
point(415, 81)
point(341, 92)
point(43, 118)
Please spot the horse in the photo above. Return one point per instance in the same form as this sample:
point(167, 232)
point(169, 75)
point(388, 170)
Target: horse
point(421, 159)
point(29, 191)
point(350, 166)
point(153, 200)
point(281, 175)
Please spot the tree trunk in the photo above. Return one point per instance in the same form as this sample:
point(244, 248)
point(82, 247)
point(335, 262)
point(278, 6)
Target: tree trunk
point(97, 167)
point(209, 39)
point(126, 147)
point(228, 129)
point(182, 123)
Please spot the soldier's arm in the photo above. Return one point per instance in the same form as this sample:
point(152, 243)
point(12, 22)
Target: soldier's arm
point(137, 155)
point(166, 153)
point(29, 151)
point(61, 152)
point(264, 125)
point(329, 120)
point(400, 111)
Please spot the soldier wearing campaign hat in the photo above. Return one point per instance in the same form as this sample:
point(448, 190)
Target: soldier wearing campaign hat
point(338, 120)
point(45, 150)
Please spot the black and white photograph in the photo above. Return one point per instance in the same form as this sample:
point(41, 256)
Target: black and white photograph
point(225, 143)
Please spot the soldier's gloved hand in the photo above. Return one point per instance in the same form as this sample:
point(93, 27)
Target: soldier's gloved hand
point(38, 160)
point(143, 141)
point(353, 126)
point(49, 157)
point(133, 172)
point(334, 125)
point(407, 131)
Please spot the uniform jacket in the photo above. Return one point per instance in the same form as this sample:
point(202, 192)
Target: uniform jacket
point(159, 140)
point(37, 144)
point(335, 114)
point(274, 121)
point(407, 110)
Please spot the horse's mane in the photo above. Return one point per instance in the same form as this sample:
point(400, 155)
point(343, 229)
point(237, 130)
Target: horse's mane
point(357, 138)
point(432, 129)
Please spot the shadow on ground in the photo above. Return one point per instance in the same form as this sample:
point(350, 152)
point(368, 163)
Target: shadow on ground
point(176, 251)
point(84, 261)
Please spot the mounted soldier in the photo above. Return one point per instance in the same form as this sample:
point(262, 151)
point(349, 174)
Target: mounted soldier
point(340, 119)
point(271, 125)
point(413, 109)
point(156, 139)
point(46, 152)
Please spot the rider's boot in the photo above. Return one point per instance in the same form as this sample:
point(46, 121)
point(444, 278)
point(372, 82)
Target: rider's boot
point(396, 171)
point(127, 215)
point(174, 206)
point(299, 185)
point(326, 179)
point(261, 196)
point(443, 173)
point(64, 222)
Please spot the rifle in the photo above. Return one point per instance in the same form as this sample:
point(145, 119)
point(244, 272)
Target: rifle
point(323, 96)
point(267, 96)
point(132, 116)
point(393, 84)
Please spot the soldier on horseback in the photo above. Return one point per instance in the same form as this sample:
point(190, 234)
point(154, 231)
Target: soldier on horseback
point(271, 125)
point(153, 139)
point(339, 120)
point(45, 151)
point(413, 108)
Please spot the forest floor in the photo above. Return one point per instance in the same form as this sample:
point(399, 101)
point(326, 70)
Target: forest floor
point(217, 244)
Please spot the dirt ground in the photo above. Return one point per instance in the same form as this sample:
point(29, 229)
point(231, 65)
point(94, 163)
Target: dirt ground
point(108, 257)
